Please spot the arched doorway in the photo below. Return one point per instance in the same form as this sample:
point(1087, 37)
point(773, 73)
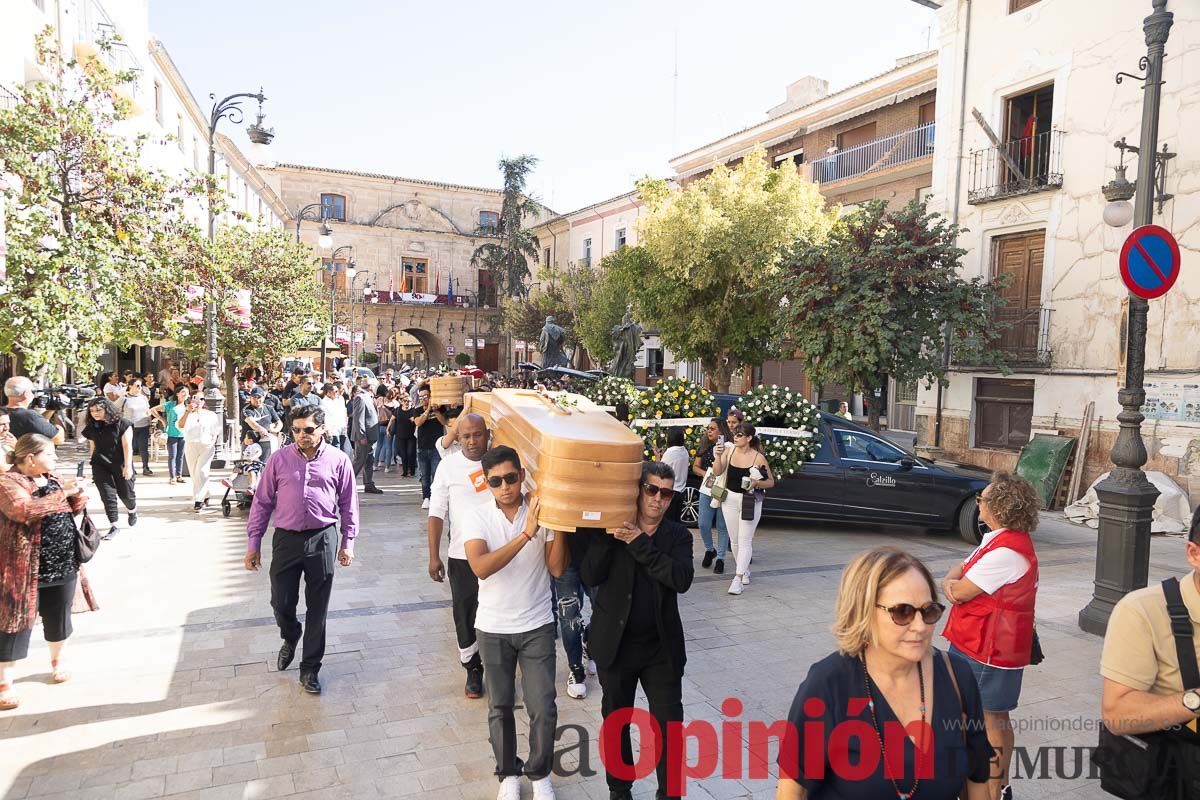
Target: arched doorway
point(416, 347)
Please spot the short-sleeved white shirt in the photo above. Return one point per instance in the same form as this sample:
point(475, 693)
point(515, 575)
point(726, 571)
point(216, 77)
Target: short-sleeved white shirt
point(998, 568)
point(517, 598)
point(459, 489)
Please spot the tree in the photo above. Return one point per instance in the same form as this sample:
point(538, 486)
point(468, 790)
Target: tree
point(507, 258)
point(708, 253)
point(876, 298)
point(87, 225)
point(525, 316)
point(597, 299)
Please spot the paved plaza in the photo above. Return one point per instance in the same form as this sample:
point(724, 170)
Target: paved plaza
point(175, 692)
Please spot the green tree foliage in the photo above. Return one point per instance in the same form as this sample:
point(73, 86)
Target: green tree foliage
point(711, 251)
point(597, 300)
point(875, 298)
point(507, 257)
point(88, 227)
point(525, 316)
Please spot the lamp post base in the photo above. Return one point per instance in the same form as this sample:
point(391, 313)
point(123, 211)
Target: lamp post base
point(1122, 546)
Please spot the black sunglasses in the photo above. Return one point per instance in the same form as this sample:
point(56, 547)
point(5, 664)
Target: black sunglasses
point(903, 613)
point(309, 430)
point(496, 480)
point(653, 491)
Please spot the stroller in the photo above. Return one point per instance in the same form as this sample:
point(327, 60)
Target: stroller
point(237, 488)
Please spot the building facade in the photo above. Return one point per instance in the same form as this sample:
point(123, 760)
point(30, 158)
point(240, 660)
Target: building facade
point(411, 242)
point(1024, 180)
point(873, 140)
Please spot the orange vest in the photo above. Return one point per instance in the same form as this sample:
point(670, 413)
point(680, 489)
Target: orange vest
point(997, 629)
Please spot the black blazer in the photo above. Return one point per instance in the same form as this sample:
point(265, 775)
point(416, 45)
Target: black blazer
point(609, 565)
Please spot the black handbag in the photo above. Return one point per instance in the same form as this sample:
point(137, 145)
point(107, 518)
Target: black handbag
point(1162, 765)
point(87, 539)
point(1036, 656)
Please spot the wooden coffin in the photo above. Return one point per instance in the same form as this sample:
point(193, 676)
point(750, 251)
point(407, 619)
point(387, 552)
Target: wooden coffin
point(584, 464)
point(447, 390)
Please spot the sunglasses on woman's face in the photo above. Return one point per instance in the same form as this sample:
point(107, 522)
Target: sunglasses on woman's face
point(310, 430)
point(904, 613)
point(653, 491)
point(497, 480)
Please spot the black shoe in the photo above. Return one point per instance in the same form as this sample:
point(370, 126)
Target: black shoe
point(1006, 792)
point(309, 682)
point(147, 471)
point(709, 555)
point(132, 518)
point(286, 653)
point(111, 532)
point(474, 687)
point(373, 489)
point(620, 794)
point(197, 506)
point(719, 567)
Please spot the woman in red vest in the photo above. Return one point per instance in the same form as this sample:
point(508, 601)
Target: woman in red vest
point(992, 596)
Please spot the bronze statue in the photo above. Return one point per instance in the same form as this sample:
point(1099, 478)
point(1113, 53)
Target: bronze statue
point(551, 344)
point(627, 341)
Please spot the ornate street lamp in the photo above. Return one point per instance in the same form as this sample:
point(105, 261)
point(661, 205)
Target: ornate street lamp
point(1127, 496)
point(332, 270)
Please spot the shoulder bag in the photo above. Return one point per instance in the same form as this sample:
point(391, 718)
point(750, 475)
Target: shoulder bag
point(962, 710)
point(87, 539)
point(1162, 765)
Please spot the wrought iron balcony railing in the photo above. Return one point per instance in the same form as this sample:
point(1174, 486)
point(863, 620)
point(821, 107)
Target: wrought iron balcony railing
point(876, 155)
point(8, 98)
point(1021, 166)
point(1024, 338)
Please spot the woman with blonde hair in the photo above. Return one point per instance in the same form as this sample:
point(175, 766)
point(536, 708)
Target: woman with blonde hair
point(907, 704)
point(748, 476)
point(993, 594)
point(38, 562)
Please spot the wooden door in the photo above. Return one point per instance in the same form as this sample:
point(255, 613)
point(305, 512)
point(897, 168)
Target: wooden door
point(926, 113)
point(856, 136)
point(488, 359)
point(1021, 257)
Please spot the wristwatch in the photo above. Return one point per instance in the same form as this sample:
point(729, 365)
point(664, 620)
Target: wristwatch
point(1191, 701)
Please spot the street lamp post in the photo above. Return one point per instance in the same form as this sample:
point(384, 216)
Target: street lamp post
point(228, 108)
point(475, 301)
point(325, 241)
point(353, 296)
point(332, 270)
point(1127, 496)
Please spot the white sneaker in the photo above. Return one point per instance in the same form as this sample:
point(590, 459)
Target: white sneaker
point(736, 586)
point(575, 683)
point(425, 503)
point(542, 790)
point(746, 578)
point(510, 789)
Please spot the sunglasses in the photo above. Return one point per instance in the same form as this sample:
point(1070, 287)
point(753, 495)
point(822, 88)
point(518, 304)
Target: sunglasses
point(309, 430)
point(653, 491)
point(497, 480)
point(904, 613)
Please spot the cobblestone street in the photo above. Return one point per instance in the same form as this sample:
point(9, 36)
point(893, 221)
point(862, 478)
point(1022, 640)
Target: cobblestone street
point(175, 693)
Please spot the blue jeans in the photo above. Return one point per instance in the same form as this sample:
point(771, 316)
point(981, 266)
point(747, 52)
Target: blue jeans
point(175, 456)
point(385, 448)
point(707, 515)
point(427, 461)
point(568, 593)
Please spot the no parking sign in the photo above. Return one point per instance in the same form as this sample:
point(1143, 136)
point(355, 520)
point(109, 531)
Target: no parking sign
point(1150, 261)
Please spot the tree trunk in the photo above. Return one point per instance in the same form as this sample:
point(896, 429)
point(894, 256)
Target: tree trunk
point(720, 373)
point(872, 408)
point(232, 404)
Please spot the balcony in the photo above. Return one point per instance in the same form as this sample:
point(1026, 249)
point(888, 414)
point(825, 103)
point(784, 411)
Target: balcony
point(875, 156)
point(1024, 338)
point(1020, 166)
point(9, 99)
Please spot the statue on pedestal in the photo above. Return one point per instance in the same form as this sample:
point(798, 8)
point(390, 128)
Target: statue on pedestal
point(551, 343)
point(627, 342)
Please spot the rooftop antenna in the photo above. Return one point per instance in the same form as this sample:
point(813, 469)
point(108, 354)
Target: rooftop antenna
point(675, 98)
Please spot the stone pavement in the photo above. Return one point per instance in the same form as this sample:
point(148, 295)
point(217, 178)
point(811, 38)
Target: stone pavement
point(175, 694)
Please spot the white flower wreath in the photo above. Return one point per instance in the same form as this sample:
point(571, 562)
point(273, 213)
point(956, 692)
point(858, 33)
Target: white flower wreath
point(779, 407)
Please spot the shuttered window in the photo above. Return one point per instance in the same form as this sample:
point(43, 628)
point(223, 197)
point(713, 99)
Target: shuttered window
point(1003, 413)
point(1016, 5)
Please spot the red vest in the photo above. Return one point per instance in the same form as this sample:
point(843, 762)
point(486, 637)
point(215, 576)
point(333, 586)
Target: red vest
point(997, 629)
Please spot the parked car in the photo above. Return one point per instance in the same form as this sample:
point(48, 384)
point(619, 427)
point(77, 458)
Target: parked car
point(859, 476)
point(349, 374)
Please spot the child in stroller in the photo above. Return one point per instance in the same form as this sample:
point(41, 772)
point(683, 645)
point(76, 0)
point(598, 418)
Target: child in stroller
point(243, 484)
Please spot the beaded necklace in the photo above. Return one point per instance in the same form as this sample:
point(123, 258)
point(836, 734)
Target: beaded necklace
point(879, 732)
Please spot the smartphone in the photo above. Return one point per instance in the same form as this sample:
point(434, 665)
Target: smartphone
point(79, 470)
point(720, 443)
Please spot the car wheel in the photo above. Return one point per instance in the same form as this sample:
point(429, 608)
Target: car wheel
point(689, 515)
point(970, 528)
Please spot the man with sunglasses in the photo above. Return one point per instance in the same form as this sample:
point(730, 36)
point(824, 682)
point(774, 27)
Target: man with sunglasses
point(514, 559)
point(636, 634)
point(459, 490)
point(308, 487)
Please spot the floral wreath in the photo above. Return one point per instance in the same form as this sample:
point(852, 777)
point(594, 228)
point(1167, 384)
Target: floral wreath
point(780, 407)
point(672, 398)
point(610, 391)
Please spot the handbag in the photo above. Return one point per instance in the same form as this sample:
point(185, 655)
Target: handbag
point(962, 727)
point(1036, 656)
point(1160, 765)
point(87, 539)
point(718, 490)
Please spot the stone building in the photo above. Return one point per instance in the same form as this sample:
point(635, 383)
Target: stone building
point(1055, 111)
point(411, 242)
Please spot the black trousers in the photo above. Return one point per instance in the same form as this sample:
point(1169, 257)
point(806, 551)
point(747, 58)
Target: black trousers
point(663, 686)
point(309, 554)
point(141, 445)
point(364, 462)
point(464, 599)
point(407, 450)
point(112, 485)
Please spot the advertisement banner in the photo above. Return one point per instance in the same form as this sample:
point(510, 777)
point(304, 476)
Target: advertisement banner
point(241, 307)
point(342, 336)
point(195, 304)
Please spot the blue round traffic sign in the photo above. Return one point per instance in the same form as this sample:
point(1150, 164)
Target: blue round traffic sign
point(1150, 261)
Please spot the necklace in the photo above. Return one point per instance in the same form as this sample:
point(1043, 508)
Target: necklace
point(879, 732)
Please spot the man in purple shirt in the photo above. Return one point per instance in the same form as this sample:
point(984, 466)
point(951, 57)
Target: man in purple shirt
point(307, 485)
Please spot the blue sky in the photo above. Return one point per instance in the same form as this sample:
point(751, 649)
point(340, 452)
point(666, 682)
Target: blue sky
point(440, 90)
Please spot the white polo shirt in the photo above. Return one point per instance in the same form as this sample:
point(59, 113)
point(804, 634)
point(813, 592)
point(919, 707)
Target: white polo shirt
point(517, 598)
point(459, 490)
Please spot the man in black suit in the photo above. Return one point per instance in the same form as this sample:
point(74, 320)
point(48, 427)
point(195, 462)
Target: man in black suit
point(636, 634)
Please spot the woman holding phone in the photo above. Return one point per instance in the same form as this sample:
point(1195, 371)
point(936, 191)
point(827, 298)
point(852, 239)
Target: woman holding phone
point(201, 428)
point(715, 435)
point(749, 474)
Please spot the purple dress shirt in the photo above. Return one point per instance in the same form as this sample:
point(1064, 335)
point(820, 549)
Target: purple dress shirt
point(305, 494)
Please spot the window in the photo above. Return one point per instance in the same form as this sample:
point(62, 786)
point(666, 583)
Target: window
point(335, 272)
point(654, 361)
point(856, 136)
point(158, 105)
point(1003, 413)
point(179, 133)
point(587, 252)
point(857, 446)
point(795, 156)
point(1018, 5)
point(489, 221)
point(619, 239)
point(926, 113)
point(546, 256)
point(1027, 119)
point(416, 275)
point(1021, 257)
point(333, 206)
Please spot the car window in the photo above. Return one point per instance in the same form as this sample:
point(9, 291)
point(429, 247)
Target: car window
point(825, 452)
point(859, 446)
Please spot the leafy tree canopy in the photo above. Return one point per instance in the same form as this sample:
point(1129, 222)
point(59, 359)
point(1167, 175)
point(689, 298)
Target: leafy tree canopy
point(507, 257)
